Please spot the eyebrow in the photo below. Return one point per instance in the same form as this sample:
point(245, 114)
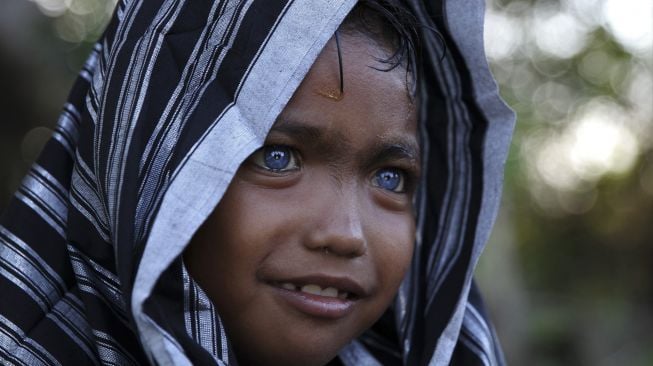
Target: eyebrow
point(339, 147)
point(395, 150)
point(301, 131)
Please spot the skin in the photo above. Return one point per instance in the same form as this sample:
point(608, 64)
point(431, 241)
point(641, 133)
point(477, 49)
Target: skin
point(327, 216)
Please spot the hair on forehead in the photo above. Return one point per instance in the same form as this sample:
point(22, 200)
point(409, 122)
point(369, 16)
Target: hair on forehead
point(389, 24)
point(392, 26)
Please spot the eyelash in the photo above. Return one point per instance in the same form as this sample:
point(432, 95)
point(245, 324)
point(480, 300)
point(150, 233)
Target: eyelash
point(262, 160)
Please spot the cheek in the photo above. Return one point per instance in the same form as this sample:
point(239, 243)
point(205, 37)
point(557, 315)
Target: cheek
point(249, 216)
point(249, 225)
point(393, 250)
point(232, 243)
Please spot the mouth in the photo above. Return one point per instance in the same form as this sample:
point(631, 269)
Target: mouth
point(319, 296)
point(316, 290)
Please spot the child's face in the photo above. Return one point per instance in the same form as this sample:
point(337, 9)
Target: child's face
point(326, 206)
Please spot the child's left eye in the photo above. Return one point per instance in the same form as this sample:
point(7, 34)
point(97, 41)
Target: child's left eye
point(276, 158)
point(390, 179)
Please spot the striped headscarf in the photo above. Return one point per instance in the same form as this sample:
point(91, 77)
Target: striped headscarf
point(175, 96)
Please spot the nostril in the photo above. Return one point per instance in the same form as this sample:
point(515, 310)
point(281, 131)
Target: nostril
point(338, 230)
point(339, 245)
point(353, 253)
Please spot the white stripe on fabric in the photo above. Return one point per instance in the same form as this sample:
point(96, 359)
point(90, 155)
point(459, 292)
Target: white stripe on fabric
point(200, 317)
point(110, 351)
point(500, 119)
point(66, 131)
point(224, 352)
point(87, 286)
point(43, 195)
point(85, 198)
point(21, 260)
point(109, 278)
point(99, 74)
point(98, 88)
point(5, 270)
point(355, 354)
point(91, 100)
point(57, 136)
point(69, 318)
point(473, 347)
point(67, 123)
point(477, 319)
point(39, 191)
point(192, 68)
point(168, 351)
point(405, 304)
point(449, 336)
point(46, 216)
point(187, 313)
point(89, 65)
point(86, 75)
point(97, 70)
point(62, 192)
point(455, 203)
point(89, 275)
point(132, 94)
point(71, 108)
point(20, 348)
point(478, 331)
point(280, 67)
point(455, 209)
point(372, 339)
point(193, 84)
point(90, 216)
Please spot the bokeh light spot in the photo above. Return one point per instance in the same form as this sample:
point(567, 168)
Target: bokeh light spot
point(600, 145)
point(559, 34)
point(631, 22)
point(502, 35)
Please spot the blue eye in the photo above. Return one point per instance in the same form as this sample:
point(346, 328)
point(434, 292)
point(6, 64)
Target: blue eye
point(276, 158)
point(390, 179)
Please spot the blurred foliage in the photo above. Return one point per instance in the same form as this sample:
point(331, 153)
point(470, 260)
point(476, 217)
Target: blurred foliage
point(37, 69)
point(568, 273)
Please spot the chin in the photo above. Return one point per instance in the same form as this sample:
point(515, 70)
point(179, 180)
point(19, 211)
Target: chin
point(302, 358)
point(305, 350)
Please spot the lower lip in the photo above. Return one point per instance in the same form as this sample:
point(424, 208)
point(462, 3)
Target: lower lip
point(316, 305)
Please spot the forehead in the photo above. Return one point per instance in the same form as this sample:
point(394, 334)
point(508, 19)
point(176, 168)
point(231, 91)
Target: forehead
point(375, 104)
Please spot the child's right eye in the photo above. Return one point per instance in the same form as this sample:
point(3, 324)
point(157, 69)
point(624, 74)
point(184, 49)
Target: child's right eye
point(276, 158)
point(390, 179)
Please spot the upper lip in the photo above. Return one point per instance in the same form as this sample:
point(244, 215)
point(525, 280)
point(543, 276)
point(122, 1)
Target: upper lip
point(342, 283)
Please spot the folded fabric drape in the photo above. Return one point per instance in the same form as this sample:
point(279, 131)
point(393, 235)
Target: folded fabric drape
point(174, 97)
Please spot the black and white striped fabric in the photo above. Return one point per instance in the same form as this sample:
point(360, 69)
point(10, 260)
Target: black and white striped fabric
point(175, 96)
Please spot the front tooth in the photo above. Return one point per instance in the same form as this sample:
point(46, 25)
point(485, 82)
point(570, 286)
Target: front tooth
point(312, 289)
point(288, 286)
point(330, 292)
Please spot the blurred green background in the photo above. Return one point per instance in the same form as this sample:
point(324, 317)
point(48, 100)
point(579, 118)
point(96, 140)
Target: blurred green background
point(568, 272)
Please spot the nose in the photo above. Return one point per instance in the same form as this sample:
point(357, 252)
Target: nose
point(337, 225)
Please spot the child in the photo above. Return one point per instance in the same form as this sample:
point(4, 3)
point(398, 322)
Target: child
point(263, 182)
